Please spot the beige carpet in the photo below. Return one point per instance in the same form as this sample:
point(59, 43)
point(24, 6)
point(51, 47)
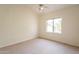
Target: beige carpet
point(39, 46)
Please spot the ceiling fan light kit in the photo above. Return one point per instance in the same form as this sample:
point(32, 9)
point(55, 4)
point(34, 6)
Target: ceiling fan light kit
point(41, 7)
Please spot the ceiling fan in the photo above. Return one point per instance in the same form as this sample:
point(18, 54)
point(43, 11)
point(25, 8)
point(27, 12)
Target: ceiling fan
point(42, 7)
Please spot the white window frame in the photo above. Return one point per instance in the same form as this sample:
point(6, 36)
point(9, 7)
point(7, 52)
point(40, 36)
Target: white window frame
point(53, 30)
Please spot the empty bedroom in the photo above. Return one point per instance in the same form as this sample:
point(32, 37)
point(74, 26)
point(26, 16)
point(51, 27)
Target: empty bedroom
point(39, 29)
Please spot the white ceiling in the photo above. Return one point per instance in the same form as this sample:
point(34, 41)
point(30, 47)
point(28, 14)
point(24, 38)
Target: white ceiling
point(49, 7)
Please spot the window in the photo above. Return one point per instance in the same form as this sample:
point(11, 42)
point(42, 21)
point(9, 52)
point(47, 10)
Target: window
point(54, 25)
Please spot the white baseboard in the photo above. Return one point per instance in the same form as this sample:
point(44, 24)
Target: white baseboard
point(19, 41)
point(60, 42)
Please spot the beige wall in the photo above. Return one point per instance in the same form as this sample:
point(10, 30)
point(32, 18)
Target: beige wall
point(17, 23)
point(70, 25)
